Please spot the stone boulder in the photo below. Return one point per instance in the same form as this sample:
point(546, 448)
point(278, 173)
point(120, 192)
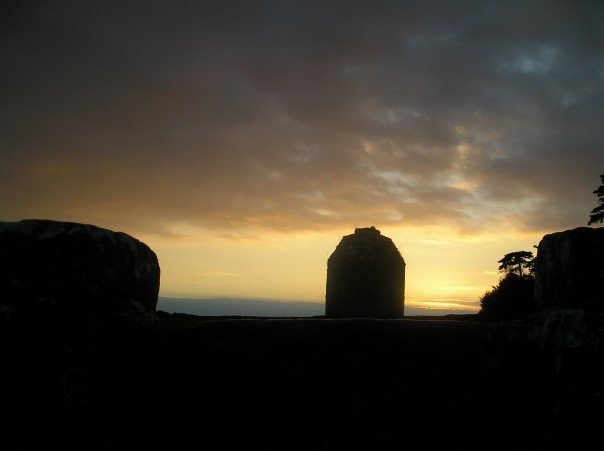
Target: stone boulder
point(67, 270)
point(569, 270)
point(365, 277)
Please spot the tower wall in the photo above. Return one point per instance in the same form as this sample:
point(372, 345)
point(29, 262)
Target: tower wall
point(365, 277)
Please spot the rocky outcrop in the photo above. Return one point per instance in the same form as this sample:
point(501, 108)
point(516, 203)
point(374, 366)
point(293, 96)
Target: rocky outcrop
point(63, 269)
point(365, 277)
point(569, 269)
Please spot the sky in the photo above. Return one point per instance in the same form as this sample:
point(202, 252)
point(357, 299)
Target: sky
point(242, 140)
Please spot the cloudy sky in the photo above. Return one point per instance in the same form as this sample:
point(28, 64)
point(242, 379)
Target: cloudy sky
point(241, 140)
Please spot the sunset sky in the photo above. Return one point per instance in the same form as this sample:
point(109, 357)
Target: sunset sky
point(242, 140)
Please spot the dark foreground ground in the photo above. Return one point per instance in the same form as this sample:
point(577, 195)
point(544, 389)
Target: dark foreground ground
point(304, 384)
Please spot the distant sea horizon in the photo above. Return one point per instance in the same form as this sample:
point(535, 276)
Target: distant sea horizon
point(237, 306)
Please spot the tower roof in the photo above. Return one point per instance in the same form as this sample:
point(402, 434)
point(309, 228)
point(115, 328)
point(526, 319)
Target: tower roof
point(366, 243)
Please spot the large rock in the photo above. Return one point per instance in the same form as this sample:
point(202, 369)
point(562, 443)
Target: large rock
point(365, 277)
point(63, 269)
point(569, 269)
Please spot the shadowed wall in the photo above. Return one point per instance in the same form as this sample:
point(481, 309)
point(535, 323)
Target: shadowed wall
point(365, 277)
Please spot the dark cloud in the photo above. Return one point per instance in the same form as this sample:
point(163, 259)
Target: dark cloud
point(301, 115)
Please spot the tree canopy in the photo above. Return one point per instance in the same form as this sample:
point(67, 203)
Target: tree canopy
point(513, 296)
point(597, 214)
point(520, 262)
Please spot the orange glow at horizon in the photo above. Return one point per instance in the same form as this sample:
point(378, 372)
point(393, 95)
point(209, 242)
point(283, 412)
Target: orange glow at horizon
point(447, 272)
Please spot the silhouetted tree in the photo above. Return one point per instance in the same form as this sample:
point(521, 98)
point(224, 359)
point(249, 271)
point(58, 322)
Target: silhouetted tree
point(597, 214)
point(519, 262)
point(513, 297)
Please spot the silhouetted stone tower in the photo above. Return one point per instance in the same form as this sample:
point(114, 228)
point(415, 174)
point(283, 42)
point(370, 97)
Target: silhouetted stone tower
point(365, 277)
